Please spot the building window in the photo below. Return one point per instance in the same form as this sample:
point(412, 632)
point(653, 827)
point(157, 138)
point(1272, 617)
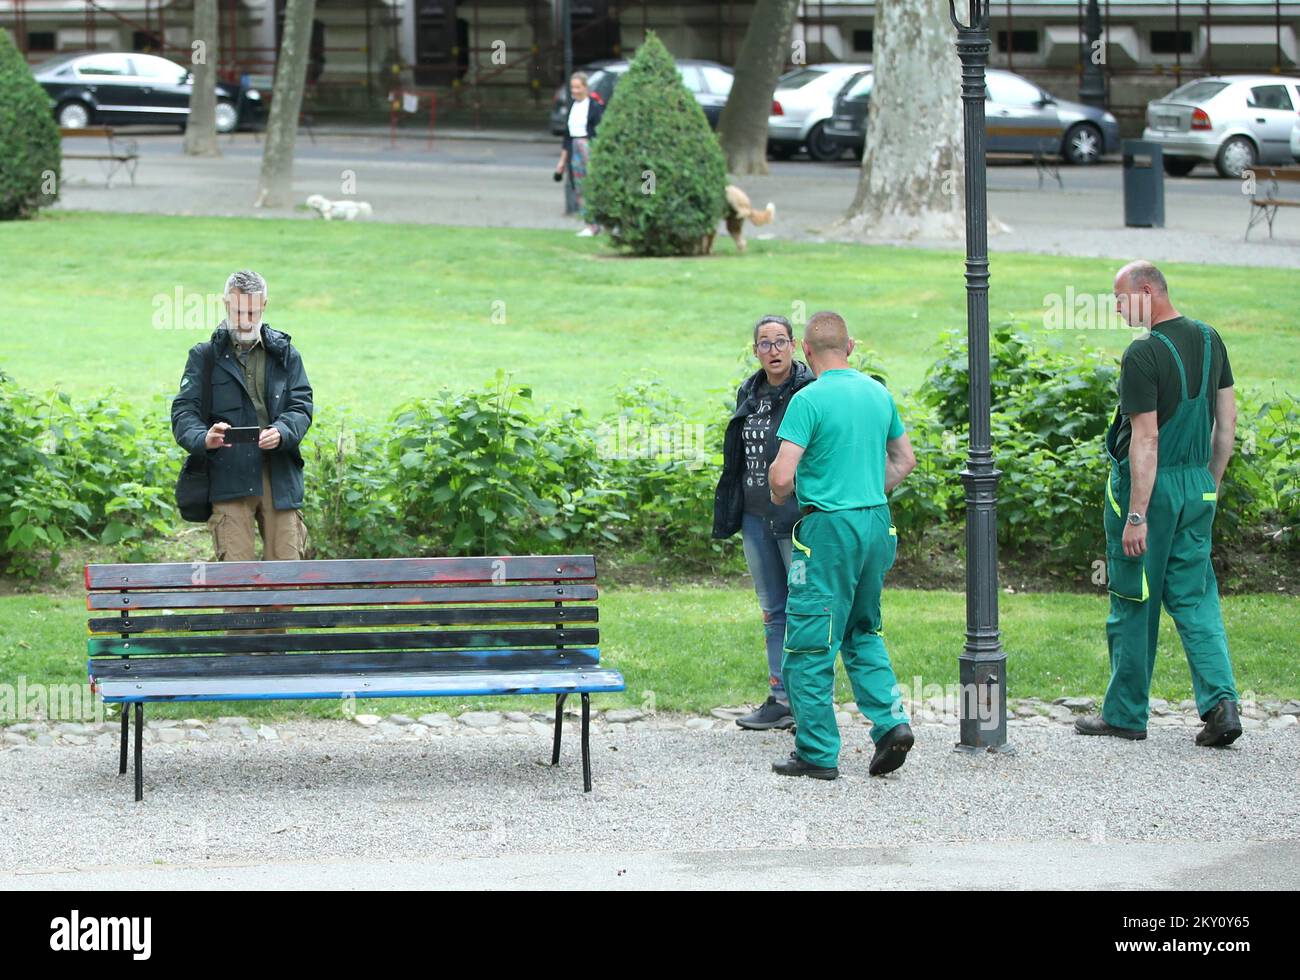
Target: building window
point(863, 40)
point(143, 41)
point(1018, 42)
point(40, 40)
point(1171, 42)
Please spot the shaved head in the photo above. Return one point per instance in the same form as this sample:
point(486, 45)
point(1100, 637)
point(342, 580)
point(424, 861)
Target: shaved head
point(827, 333)
point(1142, 273)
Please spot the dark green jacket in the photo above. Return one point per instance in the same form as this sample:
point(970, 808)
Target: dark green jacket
point(236, 471)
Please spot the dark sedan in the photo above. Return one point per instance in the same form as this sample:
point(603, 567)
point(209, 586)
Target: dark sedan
point(104, 87)
point(708, 81)
point(1011, 103)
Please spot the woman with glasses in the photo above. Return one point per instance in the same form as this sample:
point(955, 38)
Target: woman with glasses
point(743, 501)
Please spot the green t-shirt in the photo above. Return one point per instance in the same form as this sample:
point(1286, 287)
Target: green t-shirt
point(1148, 376)
point(842, 420)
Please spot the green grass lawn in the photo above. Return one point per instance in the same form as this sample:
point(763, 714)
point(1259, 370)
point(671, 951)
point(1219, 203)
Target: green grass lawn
point(386, 312)
point(691, 649)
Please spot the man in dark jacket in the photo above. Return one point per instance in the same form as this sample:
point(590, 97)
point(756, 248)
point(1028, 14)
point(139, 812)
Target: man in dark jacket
point(743, 501)
point(256, 378)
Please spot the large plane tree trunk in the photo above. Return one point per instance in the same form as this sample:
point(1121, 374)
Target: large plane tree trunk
point(201, 123)
point(275, 186)
point(742, 129)
point(912, 170)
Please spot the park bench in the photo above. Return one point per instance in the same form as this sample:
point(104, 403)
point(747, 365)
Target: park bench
point(1046, 151)
point(122, 153)
point(1267, 197)
point(334, 629)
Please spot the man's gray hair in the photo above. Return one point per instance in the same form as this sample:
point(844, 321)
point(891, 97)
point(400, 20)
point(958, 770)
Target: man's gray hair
point(248, 282)
point(1143, 273)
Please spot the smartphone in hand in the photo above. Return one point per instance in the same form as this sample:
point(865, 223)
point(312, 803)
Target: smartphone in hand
point(242, 433)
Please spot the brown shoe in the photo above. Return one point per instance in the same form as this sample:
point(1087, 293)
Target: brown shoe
point(1093, 725)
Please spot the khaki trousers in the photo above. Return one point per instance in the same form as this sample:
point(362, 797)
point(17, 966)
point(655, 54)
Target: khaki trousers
point(283, 533)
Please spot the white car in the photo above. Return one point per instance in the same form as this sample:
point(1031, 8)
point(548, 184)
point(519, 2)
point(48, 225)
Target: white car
point(1295, 142)
point(802, 106)
point(1234, 121)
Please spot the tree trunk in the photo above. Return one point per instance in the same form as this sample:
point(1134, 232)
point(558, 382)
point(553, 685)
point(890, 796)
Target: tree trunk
point(201, 124)
point(275, 186)
point(742, 129)
point(912, 183)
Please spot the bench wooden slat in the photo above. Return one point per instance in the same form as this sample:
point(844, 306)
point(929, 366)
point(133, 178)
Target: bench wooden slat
point(373, 571)
point(327, 618)
point(1289, 174)
point(149, 646)
point(299, 664)
point(477, 683)
point(383, 596)
point(1267, 203)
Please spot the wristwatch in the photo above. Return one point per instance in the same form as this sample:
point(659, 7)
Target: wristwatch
point(1136, 519)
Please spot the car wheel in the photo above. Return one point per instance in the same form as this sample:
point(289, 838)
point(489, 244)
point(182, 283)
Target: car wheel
point(1083, 145)
point(822, 147)
point(73, 115)
point(1179, 166)
point(780, 151)
point(227, 117)
point(1235, 155)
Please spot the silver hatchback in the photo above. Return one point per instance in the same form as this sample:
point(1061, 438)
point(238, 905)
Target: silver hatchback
point(1234, 121)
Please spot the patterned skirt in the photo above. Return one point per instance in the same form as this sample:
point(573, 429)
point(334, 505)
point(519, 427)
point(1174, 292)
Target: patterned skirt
point(578, 158)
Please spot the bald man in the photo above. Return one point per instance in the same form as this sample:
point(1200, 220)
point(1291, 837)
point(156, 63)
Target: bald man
point(1169, 444)
point(843, 448)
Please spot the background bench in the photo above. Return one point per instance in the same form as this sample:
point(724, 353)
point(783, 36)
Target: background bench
point(1267, 197)
point(1045, 151)
point(122, 153)
point(403, 627)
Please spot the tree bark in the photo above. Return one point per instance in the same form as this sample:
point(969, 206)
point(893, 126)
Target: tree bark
point(742, 130)
point(201, 123)
point(275, 185)
point(912, 183)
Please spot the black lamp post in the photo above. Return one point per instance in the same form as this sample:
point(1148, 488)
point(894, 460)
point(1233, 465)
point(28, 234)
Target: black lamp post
point(1092, 88)
point(983, 662)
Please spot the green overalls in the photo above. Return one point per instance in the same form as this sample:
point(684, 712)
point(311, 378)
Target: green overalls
point(1176, 567)
point(836, 577)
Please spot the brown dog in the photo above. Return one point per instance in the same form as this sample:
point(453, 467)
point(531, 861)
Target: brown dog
point(738, 209)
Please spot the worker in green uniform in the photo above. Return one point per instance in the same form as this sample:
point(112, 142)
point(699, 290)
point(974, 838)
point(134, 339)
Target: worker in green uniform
point(843, 448)
point(1169, 445)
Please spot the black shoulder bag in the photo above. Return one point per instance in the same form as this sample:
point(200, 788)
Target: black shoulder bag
point(192, 484)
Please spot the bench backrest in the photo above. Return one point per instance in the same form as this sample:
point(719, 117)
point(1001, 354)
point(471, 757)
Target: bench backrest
point(100, 132)
point(525, 612)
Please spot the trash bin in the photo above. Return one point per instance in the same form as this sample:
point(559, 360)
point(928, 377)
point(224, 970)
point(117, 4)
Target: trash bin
point(1144, 184)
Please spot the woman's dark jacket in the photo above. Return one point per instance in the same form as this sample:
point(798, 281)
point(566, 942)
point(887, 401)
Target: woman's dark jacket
point(729, 499)
point(594, 114)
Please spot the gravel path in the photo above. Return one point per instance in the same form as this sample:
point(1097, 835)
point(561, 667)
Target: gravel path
point(330, 790)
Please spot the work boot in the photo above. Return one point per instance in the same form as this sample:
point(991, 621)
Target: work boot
point(892, 749)
point(770, 714)
point(1093, 725)
point(795, 766)
point(1222, 725)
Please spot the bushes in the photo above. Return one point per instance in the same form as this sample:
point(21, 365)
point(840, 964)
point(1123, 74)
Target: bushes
point(657, 175)
point(30, 153)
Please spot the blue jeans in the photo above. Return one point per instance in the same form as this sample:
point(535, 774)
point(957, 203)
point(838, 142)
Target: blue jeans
point(768, 558)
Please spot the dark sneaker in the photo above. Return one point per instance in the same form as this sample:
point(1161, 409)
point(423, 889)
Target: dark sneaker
point(795, 766)
point(770, 714)
point(892, 749)
point(1222, 725)
point(1093, 725)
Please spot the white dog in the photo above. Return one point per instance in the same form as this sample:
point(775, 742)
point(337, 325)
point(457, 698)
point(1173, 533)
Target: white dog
point(343, 210)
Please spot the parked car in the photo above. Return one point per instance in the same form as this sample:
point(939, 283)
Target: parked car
point(1295, 142)
point(1087, 133)
point(708, 81)
point(801, 107)
point(122, 88)
point(1234, 121)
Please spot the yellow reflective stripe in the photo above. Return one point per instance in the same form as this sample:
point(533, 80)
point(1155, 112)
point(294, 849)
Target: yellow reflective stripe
point(1110, 495)
point(1146, 592)
point(794, 538)
point(1210, 496)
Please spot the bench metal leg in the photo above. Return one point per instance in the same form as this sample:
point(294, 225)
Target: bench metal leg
point(126, 728)
point(559, 727)
point(586, 740)
point(139, 741)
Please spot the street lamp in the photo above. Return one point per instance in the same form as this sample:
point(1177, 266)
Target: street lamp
point(1092, 88)
point(983, 662)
